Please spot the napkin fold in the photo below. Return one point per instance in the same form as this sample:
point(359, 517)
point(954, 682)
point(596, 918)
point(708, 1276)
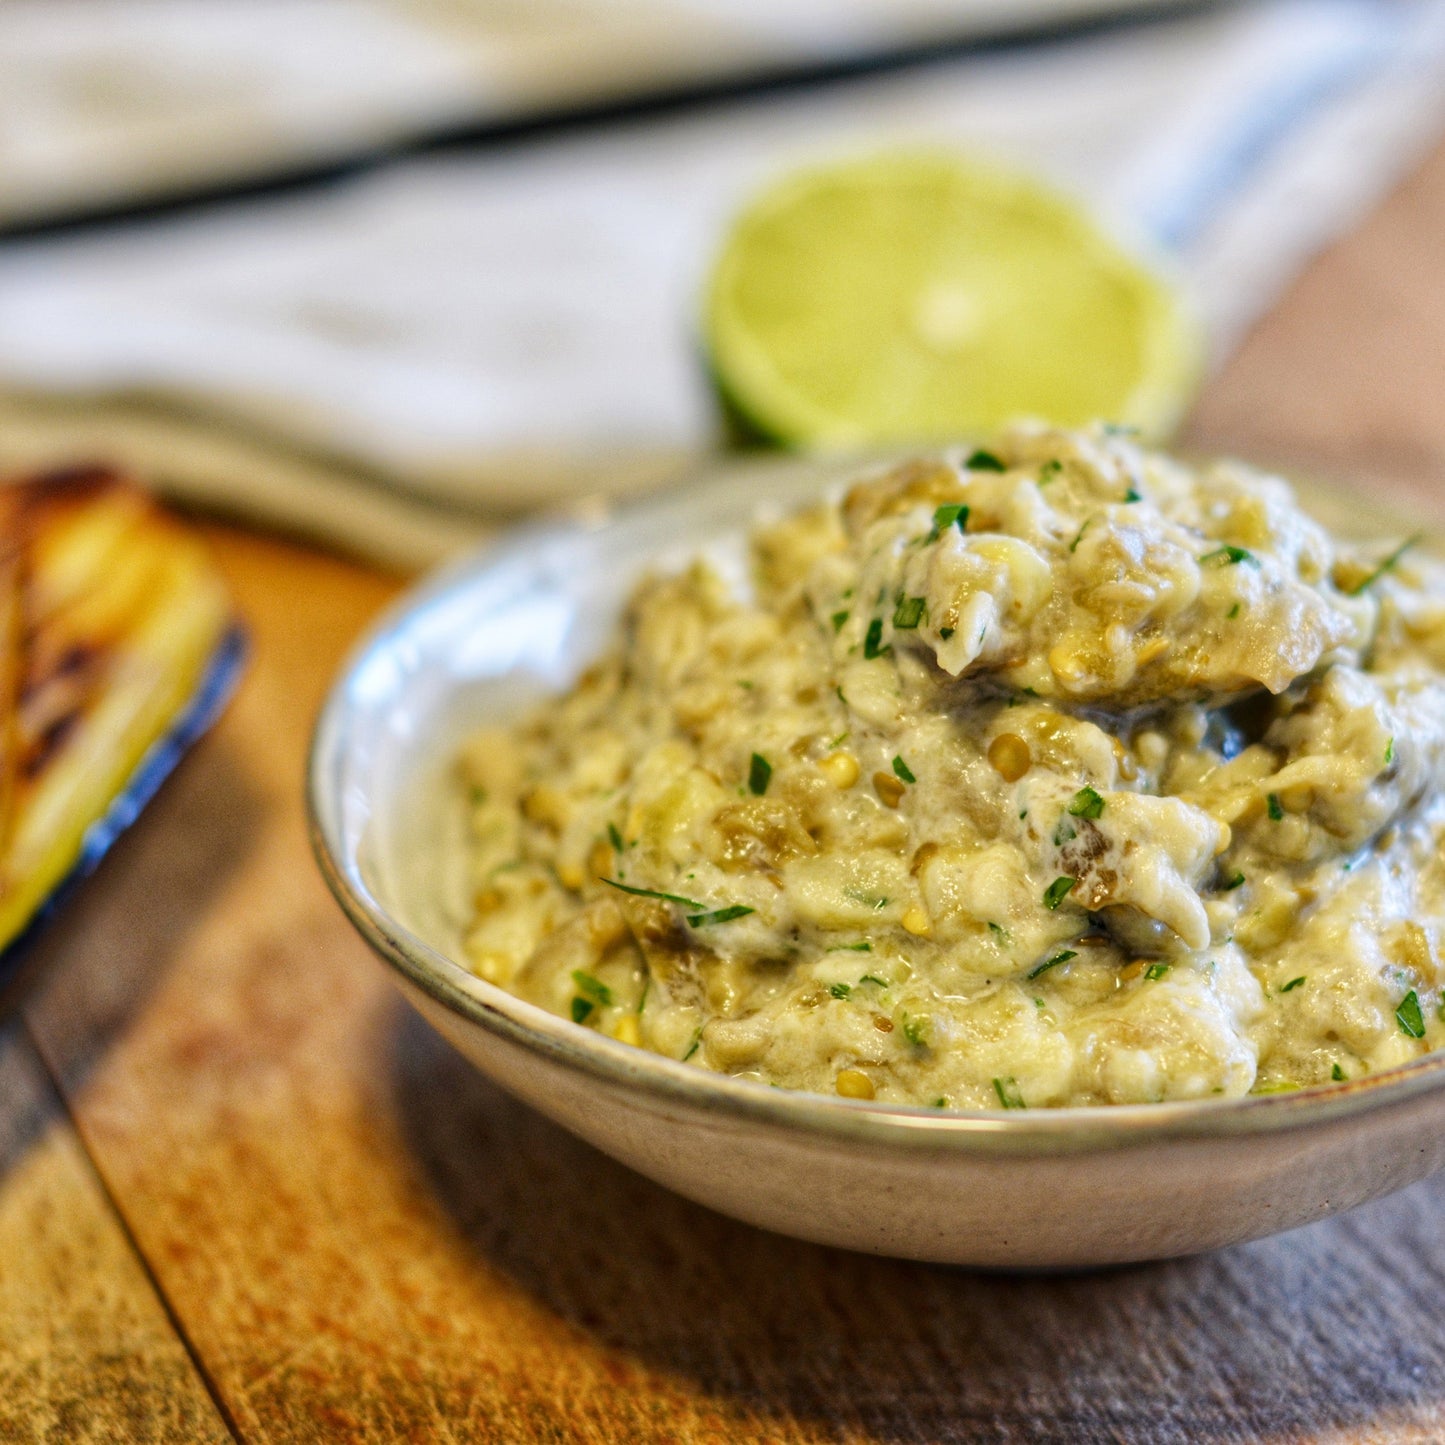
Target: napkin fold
point(397, 362)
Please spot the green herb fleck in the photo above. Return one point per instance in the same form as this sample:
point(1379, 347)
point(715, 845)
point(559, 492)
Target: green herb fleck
point(1001, 933)
point(653, 893)
point(908, 613)
point(1008, 1093)
point(1087, 804)
point(874, 901)
point(951, 514)
point(1338, 1074)
point(581, 1010)
point(592, 988)
point(1389, 752)
point(1049, 471)
point(1230, 557)
point(1156, 971)
point(1065, 832)
point(939, 1103)
point(873, 643)
point(642, 998)
point(839, 618)
point(1132, 496)
point(915, 1030)
point(863, 947)
point(1079, 535)
point(760, 771)
point(1054, 962)
point(1409, 1017)
point(1388, 564)
point(982, 461)
point(1058, 890)
point(719, 915)
point(1230, 884)
point(1275, 808)
point(692, 1047)
point(1233, 612)
point(873, 978)
point(1293, 983)
point(614, 837)
point(840, 990)
point(903, 770)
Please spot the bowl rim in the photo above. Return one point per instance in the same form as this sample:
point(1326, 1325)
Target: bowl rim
point(1032, 1132)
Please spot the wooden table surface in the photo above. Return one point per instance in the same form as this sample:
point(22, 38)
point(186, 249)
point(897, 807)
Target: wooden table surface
point(245, 1192)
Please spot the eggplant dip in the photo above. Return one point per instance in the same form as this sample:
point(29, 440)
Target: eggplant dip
point(1056, 773)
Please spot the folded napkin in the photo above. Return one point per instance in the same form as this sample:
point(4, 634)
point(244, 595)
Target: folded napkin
point(398, 361)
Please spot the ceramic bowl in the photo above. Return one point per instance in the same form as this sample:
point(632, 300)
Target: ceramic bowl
point(1044, 1189)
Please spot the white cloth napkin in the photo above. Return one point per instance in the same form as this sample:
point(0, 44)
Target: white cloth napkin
point(461, 338)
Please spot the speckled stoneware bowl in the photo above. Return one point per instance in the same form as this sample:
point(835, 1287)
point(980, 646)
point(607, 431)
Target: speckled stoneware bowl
point(1061, 1188)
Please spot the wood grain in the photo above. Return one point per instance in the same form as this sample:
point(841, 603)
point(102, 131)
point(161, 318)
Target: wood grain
point(86, 1350)
point(363, 1240)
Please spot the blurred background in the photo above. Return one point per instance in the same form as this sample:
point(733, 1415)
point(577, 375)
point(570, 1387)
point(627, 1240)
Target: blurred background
point(390, 274)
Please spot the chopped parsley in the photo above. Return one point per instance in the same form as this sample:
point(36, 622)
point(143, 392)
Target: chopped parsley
point(873, 642)
point(1293, 983)
point(1275, 808)
point(1087, 804)
point(863, 947)
point(946, 632)
point(1389, 752)
point(1387, 565)
point(692, 1047)
point(719, 915)
point(839, 618)
point(982, 461)
point(1079, 535)
point(873, 978)
point(1054, 962)
point(1156, 971)
point(915, 1030)
point(760, 772)
point(908, 613)
point(614, 837)
point(1230, 884)
point(1233, 612)
point(581, 1010)
point(1409, 1017)
point(592, 988)
point(1132, 496)
point(903, 770)
point(1058, 890)
point(1000, 932)
point(642, 999)
point(840, 990)
point(950, 514)
point(1230, 557)
point(1008, 1093)
point(653, 893)
point(1049, 471)
point(939, 1103)
point(1337, 1074)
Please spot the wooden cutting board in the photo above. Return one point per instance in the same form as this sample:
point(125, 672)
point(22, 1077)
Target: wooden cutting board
point(244, 1192)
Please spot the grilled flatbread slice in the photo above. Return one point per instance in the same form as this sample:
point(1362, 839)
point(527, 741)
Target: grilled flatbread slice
point(118, 614)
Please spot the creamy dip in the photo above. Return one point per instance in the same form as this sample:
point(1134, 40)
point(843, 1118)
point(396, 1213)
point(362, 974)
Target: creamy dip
point(1059, 773)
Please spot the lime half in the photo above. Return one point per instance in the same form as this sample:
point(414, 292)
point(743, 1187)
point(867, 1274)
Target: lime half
point(924, 296)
